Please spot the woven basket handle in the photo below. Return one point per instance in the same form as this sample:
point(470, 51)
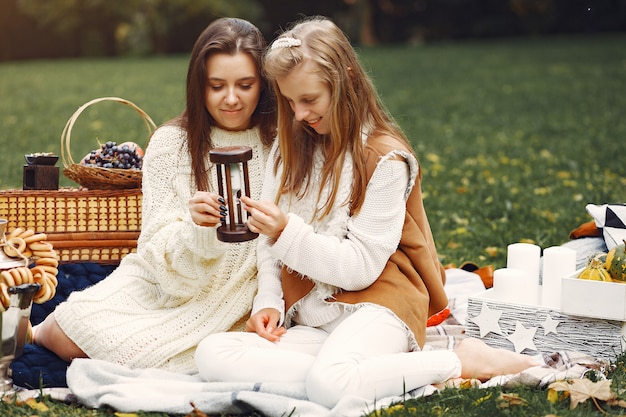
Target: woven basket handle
point(66, 154)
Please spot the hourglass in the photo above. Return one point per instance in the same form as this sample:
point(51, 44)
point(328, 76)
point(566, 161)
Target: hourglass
point(233, 181)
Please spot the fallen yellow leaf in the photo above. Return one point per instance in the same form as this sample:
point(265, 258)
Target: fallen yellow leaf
point(509, 400)
point(555, 396)
point(582, 389)
point(35, 405)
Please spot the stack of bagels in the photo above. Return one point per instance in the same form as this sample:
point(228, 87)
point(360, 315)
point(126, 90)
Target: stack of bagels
point(28, 245)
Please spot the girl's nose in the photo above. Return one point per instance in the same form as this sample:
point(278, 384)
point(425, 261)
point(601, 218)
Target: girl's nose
point(300, 113)
point(231, 96)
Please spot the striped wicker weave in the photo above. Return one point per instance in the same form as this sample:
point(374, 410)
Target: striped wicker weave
point(83, 225)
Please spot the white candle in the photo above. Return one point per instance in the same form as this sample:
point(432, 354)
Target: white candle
point(526, 258)
point(558, 262)
point(235, 177)
point(509, 285)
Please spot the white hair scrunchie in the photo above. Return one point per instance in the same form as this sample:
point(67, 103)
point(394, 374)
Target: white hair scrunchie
point(286, 42)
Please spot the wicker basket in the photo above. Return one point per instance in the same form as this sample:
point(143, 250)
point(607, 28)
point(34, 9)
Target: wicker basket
point(97, 178)
point(83, 225)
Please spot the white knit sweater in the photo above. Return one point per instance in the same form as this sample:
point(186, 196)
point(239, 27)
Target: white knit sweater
point(341, 251)
point(182, 284)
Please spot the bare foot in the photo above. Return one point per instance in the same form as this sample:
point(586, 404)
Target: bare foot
point(483, 362)
point(458, 383)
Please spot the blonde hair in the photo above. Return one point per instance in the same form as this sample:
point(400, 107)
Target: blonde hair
point(355, 107)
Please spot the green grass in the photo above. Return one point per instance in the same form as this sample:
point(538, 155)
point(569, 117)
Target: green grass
point(514, 136)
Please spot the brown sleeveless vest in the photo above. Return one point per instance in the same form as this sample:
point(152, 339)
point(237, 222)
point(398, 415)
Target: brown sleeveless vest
point(411, 284)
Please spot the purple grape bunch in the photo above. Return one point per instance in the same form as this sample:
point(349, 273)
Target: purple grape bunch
point(110, 155)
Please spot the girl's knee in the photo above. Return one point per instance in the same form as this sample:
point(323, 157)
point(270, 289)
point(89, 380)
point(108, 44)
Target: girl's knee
point(213, 354)
point(325, 387)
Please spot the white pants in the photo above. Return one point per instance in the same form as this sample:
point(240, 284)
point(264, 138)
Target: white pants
point(364, 353)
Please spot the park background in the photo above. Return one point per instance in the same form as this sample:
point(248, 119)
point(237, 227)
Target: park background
point(516, 110)
point(514, 107)
point(79, 28)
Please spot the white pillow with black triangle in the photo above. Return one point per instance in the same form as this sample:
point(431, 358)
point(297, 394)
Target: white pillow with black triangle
point(611, 220)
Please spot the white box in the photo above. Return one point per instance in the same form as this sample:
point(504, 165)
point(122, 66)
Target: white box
point(597, 299)
point(535, 329)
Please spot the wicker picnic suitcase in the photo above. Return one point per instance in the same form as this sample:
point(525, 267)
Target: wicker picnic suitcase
point(83, 225)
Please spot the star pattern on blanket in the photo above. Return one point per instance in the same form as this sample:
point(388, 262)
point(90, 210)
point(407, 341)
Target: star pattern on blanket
point(522, 338)
point(487, 320)
point(550, 325)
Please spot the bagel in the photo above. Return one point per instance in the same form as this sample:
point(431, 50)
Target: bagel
point(15, 233)
point(7, 278)
point(38, 273)
point(45, 254)
point(49, 269)
point(45, 295)
point(10, 251)
point(26, 234)
point(41, 281)
point(14, 247)
point(17, 277)
point(5, 297)
point(40, 296)
point(53, 280)
point(27, 275)
point(40, 246)
point(21, 275)
point(34, 238)
point(47, 262)
point(53, 290)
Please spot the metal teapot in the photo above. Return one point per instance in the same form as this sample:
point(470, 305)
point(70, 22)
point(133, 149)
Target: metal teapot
point(14, 320)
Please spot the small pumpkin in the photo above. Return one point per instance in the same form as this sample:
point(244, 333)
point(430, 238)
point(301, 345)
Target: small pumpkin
point(616, 262)
point(601, 256)
point(595, 271)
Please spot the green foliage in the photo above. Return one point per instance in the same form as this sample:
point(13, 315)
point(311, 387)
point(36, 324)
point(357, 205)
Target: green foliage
point(514, 138)
point(131, 26)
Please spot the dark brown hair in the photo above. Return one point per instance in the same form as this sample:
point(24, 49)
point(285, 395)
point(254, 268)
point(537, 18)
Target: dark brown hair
point(230, 36)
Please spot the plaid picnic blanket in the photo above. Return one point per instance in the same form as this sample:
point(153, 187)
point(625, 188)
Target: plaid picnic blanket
point(97, 383)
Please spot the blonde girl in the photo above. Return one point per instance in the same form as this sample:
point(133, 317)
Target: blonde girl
point(348, 269)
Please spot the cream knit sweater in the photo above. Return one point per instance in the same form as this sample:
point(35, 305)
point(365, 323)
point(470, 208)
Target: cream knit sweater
point(182, 284)
point(340, 251)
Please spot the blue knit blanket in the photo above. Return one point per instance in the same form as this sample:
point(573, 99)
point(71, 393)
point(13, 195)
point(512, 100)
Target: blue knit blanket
point(38, 367)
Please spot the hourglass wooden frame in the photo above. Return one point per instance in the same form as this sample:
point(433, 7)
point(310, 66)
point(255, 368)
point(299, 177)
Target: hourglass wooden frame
point(231, 161)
